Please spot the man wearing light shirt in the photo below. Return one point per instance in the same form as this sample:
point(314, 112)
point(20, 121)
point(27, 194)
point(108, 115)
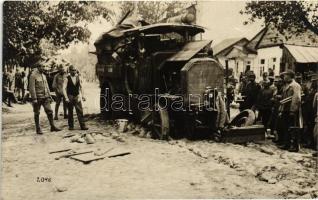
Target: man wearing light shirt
point(73, 91)
point(57, 85)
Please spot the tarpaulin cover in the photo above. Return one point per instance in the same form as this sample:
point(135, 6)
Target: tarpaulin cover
point(189, 50)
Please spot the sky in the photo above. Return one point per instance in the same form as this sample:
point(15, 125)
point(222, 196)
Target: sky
point(223, 20)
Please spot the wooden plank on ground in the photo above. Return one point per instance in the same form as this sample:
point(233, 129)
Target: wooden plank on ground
point(118, 152)
point(73, 154)
point(87, 158)
point(59, 151)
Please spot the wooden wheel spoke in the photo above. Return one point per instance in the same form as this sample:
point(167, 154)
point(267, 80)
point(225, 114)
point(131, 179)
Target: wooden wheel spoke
point(160, 123)
point(158, 132)
point(157, 125)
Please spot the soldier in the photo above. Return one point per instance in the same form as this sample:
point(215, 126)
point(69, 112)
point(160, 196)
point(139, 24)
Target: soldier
point(309, 111)
point(290, 112)
point(72, 89)
point(24, 81)
point(264, 105)
point(271, 72)
point(8, 88)
point(274, 121)
point(251, 91)
point(265, 79)
point(40, 94)
point(57, 86)
point(18, 83)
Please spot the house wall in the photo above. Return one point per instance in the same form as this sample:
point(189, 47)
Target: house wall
point(266, 58)
point(238, 65)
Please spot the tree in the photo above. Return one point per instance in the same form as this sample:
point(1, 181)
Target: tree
point(29, 24)
point(294, 17)
point(154, 11)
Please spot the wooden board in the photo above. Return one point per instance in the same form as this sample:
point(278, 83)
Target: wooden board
point(60, 150)
point(117, 152)
point(87, 158)
point(73, 154)
point(255, 133)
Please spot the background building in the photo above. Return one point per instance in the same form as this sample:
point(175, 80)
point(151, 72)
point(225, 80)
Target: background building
point(270, 49)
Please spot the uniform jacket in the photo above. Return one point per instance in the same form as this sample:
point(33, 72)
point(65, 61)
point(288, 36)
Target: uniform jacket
point(292, 90)
point(58, 82)
point(25, 83)
point(38, 85)
point(252, 91)
point(8, 81)
point(264, 100)
point(18, 80)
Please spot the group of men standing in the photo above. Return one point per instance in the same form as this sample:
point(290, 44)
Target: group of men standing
point(68, 88)
point(14, 87)
point(282, 102)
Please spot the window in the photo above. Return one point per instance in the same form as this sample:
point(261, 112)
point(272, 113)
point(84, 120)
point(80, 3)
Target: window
point(262, 61)
point(249, 62)
point(274, 67)
point(274, 59)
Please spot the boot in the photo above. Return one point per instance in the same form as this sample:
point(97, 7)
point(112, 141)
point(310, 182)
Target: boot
point(65, 114)
point(56, 113)
point(70, 122)
point(53, 127)
point(295, 147)
point(83, 126)
point(37, 124)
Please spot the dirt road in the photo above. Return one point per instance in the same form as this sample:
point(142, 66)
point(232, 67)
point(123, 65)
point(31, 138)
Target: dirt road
point(154, 169)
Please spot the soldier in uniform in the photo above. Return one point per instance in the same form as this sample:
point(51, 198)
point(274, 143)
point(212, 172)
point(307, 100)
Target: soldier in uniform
point(40, 94)
point(265, 79)
point(251, 91)
point(264, 105)
point(290, 112)
point(309, 111)
point(73, 91)
point(57, 85)
point(275, 120)
point(18, 84)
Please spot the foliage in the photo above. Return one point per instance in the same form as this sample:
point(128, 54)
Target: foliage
point(154, 11)
point(27, 24)
point(287, 16)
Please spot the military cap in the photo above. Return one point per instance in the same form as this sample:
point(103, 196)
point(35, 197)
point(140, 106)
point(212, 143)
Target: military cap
point(310, 74)
point(71, 67)
point(250, 73)
point(314, 77)
point(60, 66)
point(277, 78)
point(289, 72)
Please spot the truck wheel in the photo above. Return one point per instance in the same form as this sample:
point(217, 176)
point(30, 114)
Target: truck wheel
point(160, 123)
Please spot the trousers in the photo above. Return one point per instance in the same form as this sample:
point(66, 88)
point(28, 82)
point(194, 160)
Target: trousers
point(46, 103)
point(75, 101)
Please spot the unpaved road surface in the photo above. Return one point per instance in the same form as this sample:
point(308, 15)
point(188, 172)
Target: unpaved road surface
point(153, 169)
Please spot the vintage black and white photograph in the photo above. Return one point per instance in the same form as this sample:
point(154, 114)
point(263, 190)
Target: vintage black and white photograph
point(159, 100)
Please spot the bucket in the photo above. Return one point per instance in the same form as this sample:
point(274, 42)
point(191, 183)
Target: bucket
point(122, 125)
